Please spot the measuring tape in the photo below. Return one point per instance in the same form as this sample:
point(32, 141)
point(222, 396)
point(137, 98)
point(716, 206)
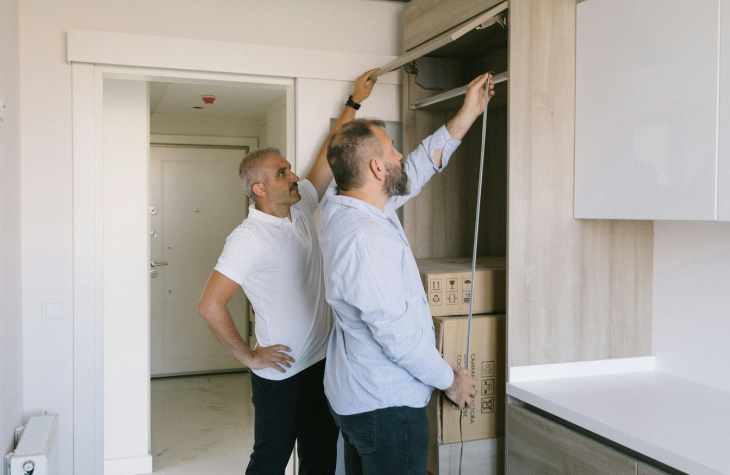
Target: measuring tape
point(474, 252)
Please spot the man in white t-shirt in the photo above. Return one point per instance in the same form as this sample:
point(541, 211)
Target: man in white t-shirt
point(275, 256)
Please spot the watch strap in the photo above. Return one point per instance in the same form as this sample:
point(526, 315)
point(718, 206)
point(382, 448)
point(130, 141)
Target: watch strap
point(351, 103)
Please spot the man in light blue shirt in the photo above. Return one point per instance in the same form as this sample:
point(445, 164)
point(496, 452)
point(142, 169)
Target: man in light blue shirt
point(382, 362)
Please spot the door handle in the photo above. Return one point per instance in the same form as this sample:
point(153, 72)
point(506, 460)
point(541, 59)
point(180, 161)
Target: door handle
point(157, 264)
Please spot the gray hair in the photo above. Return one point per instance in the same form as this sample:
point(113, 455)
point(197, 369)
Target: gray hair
point(351, 148)
point(251, 171)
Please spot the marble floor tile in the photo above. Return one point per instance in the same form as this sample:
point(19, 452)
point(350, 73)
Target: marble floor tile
point(236, 395)
point(189, 382)
point(230, 379)
point(176, 448)
point(202, 424)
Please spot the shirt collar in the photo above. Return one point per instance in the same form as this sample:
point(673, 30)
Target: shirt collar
point(334, 196)
point(265, 218)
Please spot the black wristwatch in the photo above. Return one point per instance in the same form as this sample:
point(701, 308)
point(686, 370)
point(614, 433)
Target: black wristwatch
point(352, 103)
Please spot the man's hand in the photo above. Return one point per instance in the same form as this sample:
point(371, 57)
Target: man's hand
point(474, 99)
point(269, 357)
point(472, 108)
point(320, 175)
point(364, 86)
point(462, 389)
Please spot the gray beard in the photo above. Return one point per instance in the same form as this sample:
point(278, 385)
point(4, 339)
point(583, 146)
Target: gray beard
point(396, 182)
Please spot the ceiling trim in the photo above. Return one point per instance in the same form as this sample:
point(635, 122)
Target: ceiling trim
point(125, 49)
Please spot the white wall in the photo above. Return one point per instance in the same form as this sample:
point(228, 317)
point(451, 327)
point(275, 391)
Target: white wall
point(46, 196)
point(691, 323)
point(11, 336)
point(320, 100)
point(218, 125)
point(275, 125)
point(126, 257)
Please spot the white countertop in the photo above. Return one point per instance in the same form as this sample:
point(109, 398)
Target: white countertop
point(683, 424)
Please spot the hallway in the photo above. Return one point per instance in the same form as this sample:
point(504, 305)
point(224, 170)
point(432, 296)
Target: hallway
point(202, 424)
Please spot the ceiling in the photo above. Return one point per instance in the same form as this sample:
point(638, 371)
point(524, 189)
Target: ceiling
point(246, 101)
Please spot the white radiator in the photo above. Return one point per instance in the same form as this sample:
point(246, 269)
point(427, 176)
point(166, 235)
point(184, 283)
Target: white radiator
point(36, 448)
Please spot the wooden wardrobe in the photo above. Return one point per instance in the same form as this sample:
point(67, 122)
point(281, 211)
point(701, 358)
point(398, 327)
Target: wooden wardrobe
point(577, 290)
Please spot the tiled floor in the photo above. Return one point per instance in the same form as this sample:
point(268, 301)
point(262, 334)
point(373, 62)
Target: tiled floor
point(202, 424)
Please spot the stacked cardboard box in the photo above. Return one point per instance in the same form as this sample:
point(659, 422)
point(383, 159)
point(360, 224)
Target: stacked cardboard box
point(443, 280)
point(449, 287)
point(485, 420)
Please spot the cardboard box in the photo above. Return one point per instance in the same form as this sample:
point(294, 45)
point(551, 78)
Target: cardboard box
point(481, 457)
point(448, 285)
point(486, 364)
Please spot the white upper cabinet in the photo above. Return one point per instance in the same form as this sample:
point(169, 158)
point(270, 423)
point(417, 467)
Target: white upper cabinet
point(646, 144)
point(723, 179)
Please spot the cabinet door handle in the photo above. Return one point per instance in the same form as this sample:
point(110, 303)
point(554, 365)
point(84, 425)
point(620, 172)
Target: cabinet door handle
point(157, 264)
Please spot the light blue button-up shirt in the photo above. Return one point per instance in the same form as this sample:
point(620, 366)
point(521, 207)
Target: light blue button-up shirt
point(382, 351)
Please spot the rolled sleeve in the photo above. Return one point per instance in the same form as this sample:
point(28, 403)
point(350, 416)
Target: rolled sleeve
point(380, 298)
point(440, 140)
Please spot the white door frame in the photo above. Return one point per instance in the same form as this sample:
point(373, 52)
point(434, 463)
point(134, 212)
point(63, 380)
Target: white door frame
point(95, 56)
point(88, 222)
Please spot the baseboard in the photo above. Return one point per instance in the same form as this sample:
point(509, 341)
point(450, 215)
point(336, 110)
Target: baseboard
point(128, 465)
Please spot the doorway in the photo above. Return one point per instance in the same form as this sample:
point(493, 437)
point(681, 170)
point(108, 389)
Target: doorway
point(200, 406)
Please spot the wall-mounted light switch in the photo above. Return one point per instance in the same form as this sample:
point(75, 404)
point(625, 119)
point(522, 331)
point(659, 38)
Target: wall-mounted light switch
point(51, 310)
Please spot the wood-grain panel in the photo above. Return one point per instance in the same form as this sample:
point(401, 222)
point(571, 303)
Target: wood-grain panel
point(439, 222)
point(577, 289)
point(536, 445)
point(425, 19)
point(645, 469)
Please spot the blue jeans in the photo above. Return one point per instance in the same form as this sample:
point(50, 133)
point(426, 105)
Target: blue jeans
point(386, 441)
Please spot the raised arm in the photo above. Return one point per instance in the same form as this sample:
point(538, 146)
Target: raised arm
point(470, 111)
point(213, 307)
point(320, 175)
point(432, 155)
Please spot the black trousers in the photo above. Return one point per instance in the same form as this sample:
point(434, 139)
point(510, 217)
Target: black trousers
point(293, 409)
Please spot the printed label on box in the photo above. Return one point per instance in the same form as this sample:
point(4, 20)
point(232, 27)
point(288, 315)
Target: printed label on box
point(451, 298)
point(452, 284)
point(487, 405)
point(487, 387)
point(436, 298)
point(487, 369)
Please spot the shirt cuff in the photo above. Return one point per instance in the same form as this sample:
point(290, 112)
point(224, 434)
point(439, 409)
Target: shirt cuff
point(441, 139)
point(446, 378)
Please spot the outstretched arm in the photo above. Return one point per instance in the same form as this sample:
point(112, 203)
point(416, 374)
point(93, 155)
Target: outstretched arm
point(428, 158)
point(320, 175)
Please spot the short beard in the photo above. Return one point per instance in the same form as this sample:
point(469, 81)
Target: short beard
point(396, 181)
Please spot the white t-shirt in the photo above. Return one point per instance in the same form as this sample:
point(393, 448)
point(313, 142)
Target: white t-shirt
point(278, 264)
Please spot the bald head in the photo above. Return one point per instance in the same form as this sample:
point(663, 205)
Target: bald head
point(351, 149)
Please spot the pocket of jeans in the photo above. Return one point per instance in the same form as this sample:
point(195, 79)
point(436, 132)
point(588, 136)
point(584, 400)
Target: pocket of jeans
point(391, 428)
point(360, 431)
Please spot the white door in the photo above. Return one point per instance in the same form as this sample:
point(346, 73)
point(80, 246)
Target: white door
point(196, 200)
